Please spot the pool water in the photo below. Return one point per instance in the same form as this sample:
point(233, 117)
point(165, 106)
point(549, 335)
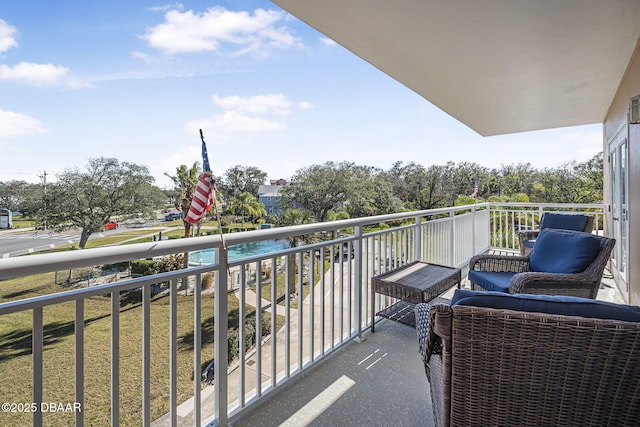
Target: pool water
point(207, 256)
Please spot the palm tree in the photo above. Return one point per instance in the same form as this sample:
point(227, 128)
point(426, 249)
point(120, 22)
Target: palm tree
point(247, 204)
point(291, 217)
point(185, 182)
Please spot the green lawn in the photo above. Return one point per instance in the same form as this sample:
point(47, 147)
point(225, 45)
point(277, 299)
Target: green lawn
point(15, 353)
point(15, 350)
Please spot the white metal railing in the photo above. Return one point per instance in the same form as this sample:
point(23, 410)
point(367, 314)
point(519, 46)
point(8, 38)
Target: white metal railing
point(315, 297)
point(507, 219)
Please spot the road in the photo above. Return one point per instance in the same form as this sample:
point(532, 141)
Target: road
point(21, 242)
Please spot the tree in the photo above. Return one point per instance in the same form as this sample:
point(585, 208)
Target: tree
point(321, 188)
point(247, 204)
point(108, 188)
point(591, 179)
point(185, 181)
point(291, 217)
point(14, 195)
point(418, 187)
point(242, 179)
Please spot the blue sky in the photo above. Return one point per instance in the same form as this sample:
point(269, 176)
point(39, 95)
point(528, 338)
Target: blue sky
point(135, 80)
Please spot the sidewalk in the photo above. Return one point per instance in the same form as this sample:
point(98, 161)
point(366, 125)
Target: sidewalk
point(185, 410)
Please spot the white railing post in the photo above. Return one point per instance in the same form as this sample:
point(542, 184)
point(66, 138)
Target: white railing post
point(220, 338)
point(358, 279)
point(79, 350)
point(417, 244)
point(37, 345)
point(115, 358)
point(146, 355)
point(197, 345)
point(473, 231)
point(452, 239)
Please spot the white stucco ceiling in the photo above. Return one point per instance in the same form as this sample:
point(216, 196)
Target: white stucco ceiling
point(499, 66)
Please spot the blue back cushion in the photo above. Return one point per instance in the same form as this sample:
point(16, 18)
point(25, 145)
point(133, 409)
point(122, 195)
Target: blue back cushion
point(561, 305)
point(559, 251)
point(564, 221)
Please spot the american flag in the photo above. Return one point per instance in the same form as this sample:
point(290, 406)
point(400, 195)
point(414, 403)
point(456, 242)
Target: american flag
point(205, 194)
point(203, 198)
point(475, 188)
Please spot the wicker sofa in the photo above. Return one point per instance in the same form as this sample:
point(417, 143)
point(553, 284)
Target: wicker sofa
point(563, 263)
point(495, 359)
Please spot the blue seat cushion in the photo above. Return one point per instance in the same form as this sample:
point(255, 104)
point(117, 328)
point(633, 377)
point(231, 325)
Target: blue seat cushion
point(564, 221)
point(551, 304)
point(492, 280)
point(560, 251)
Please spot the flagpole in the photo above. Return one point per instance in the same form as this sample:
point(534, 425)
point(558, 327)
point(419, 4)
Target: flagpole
point(207, 168)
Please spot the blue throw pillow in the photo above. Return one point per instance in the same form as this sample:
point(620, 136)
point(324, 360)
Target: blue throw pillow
point(560, 251)
point(551, 304)
point(564, 221)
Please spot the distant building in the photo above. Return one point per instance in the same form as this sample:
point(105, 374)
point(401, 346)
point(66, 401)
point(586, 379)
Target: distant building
point(270, 197)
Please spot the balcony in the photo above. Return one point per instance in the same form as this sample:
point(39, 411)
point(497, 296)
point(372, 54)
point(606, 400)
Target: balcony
point(134, 356)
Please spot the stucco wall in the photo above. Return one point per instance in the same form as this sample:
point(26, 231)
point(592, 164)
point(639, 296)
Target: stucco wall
point(617, 117)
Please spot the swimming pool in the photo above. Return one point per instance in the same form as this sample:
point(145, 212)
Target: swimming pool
point(207, 256)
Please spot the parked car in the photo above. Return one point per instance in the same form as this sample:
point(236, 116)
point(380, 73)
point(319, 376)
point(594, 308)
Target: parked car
point(111, 225)
point(173, 216)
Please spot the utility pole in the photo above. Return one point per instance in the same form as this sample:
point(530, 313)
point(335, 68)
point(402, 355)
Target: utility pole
point(43, 177)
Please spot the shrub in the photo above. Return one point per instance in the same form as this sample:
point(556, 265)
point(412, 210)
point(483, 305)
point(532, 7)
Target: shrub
point(232, 347)
point(207, 280)
point(143, 267)
point(171, 262)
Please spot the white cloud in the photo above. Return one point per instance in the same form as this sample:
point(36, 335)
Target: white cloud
point(258, 104)
point(327, 41)
point(221, 30)
point(164, 8)
point(250, 114)
point(144, 57)
point(17, 124)
point(41, 75)
point(305, 105)
point(234, 122)
point(7, 36)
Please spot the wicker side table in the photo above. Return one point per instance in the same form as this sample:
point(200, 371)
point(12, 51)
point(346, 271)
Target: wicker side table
point(413, 283)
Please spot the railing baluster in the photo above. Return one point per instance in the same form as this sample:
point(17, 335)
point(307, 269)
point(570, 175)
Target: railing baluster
point(341, 292)
point(115, 358)
point(197, 351)
point(287, 317)
point(300, 310)
point(349, 290)
point(274, 307)
point(311, 307)
point(173, 350)
point(220, 337)
point(36, 350)
point(322, 272)
point(332, 298)
point(79, 356)
point(242, 330)
point(146, 355)
point(358, 280)
point(258, 328)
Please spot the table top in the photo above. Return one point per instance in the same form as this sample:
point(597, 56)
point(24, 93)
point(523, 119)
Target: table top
point(419, 275)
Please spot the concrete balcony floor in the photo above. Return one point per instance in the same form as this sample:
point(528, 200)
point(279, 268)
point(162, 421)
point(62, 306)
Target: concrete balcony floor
point(377, 382)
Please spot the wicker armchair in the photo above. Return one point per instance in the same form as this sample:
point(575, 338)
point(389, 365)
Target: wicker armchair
point(505, 367)
point(515, 275)
point(575, 222)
